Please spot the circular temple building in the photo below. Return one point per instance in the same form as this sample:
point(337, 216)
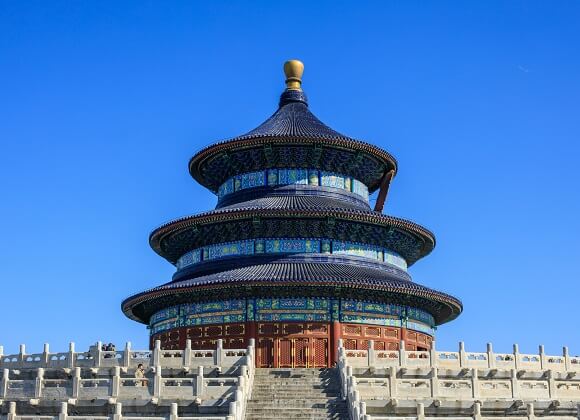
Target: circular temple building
point(293, 255)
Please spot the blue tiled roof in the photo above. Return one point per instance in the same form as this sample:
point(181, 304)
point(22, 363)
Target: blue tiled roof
point(386, 284)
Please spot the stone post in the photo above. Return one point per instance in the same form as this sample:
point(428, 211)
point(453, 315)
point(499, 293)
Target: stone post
point(475, 383)
point(4, 385)
point(551, 383)
point(420, 411)
point(490, 356)
point(116, 382)
point(187, 354)
point(355, 400)
point(477, 411)
point(157, 385)
point(127, 355)
point(252, 350)
point(402, 354)
point(239, 398)
point(462, 355)
point(98, 354)
point(11, 411)
point(516, 356)
point(233, 410)
point(363, 408)
point(434, 382)
point(71, 355)
point(530, 410)
point(38, 383)
point(515, 385)
point(21, 353)
point(344, 386)
point(63, 411)
point(218, 354)
point(543, 361)
point(566, 354)
point(76, 385)
point(199, 382)
point(173, 415)
point(371, 354)
point(118, 411)
point(157, 353)
point(393, 381)
point(433, 355)
point(46, 355)
point(242, 384)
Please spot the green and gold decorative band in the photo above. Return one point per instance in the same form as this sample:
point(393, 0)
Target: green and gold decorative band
point(293, 176)
point(291, 310)
point(290, 246)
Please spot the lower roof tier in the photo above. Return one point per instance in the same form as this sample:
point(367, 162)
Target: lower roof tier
point(289, 277)
point(405, 238)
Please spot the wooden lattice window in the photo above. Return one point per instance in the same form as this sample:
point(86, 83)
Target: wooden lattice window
point(268, 329)
point(317, 328)
point(194, 332)
point(213, 331)
point(293, 329)
point(235, 329)
point(351, 330)
point(372, 332)
point(349, 344)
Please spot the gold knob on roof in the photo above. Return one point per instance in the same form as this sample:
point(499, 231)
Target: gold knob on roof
point(293, 70)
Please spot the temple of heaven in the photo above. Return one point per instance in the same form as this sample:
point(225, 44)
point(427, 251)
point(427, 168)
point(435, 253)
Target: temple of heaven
point(293, 255)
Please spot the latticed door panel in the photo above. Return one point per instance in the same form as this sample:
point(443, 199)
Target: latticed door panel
point(265, 352)
point(319, 352)
point(285, 352)
point(300, 352)
point(380, 345)
point(349, 344)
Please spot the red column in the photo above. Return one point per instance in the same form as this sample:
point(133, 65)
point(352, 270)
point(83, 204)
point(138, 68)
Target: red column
point(335, 335)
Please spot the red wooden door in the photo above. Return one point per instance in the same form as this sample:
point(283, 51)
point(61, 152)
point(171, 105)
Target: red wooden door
point(285, 352)
point(319, 352)
point(265, 352)
point(300, 352)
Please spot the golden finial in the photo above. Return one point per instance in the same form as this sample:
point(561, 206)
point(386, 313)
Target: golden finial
point(293, 70)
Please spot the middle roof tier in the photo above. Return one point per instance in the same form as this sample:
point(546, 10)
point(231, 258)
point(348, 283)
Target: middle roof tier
point(299, 220)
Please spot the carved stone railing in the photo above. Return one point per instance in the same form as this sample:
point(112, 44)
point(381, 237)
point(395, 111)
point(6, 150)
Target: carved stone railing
point(127, 358)
point(386, 381)
point(464, 359)
point(38, 380)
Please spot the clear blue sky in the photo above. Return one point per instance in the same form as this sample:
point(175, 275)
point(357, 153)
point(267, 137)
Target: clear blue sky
point(103, 103)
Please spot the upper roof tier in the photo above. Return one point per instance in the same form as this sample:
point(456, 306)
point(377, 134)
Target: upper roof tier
point(293, 137)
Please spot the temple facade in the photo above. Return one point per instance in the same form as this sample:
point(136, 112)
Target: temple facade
point(291, 271)
point(293, 256)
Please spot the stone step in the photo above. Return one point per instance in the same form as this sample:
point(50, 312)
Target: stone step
point(329, 416)
point(290, 391)
point(307, 416)
point(287, 400)
point(292, 413)
point(294, 385)
point(285, 394)
point(294, 380)
point(294, 395)
point(294, 404)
